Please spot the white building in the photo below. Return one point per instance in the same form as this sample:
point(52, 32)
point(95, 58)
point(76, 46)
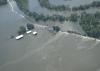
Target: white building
point(34, 33)
point(28, 32)
point(19, 37)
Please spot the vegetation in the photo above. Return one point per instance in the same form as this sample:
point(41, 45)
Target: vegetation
point(2, 2)
point(56, 28)
point(21, 30)
point(38, 17)
point(69, 31)
point(84, 7)
point(91, 24)
point(46, 4)
point(74, 17)
point(30, 26)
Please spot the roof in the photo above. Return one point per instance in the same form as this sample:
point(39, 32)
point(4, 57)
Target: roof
point(19, 37)
point(28, 32)
point(34, 33)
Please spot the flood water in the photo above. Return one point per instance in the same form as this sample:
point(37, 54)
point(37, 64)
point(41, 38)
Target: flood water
point(9, 23)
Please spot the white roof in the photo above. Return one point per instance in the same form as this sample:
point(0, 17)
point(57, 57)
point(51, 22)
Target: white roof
point(19, 37)
point(34, 33)
point(28, 32)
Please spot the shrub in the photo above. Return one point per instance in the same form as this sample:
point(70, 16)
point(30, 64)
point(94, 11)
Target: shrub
point(30, 26)
point(21, 30)
point(56, 28)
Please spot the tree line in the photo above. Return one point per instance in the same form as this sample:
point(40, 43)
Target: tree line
point(22, 29)
point(46, 4)
point(94, 4)
point(41, 17)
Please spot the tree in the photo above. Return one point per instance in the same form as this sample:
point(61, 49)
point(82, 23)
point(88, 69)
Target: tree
point(73, 17)
point(97, 15)
point(21, 30)
point(56, 28)
point(61, 18)
point(90, 24)
point(30, 26)
point(75, 8)
point(95, 4)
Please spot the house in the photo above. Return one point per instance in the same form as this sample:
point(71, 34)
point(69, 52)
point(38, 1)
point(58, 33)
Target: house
point(19, 37)
point(28, 32)
point(34, 33)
